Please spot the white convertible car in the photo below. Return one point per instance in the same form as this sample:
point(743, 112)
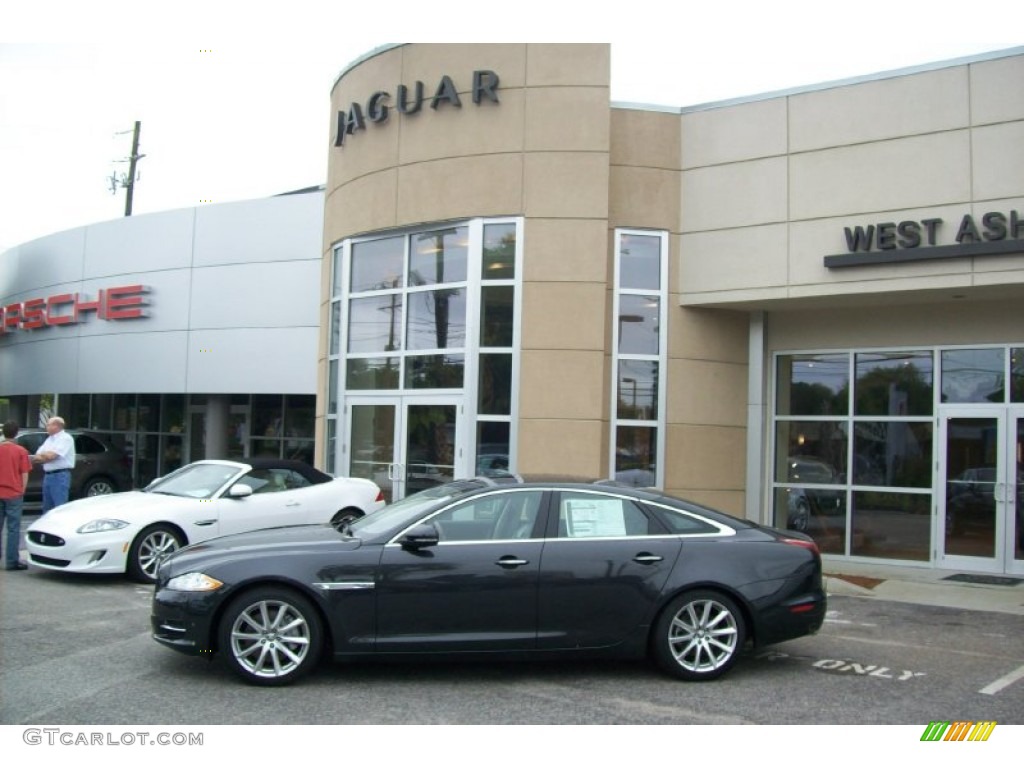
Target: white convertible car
point(129, 532)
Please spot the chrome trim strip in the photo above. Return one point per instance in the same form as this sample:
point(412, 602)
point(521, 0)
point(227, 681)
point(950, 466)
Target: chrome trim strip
point(335, 586)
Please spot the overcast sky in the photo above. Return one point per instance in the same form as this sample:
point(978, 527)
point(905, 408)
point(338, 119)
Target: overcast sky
point(234, 97)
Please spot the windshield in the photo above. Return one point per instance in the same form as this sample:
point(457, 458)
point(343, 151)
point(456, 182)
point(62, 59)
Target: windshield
point(402, 513)
point(196, 481)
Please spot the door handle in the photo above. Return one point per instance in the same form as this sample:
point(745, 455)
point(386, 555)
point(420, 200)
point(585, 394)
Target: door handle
point(511, 562)
point(647, 558)
point(292, 504)
point(204, 522)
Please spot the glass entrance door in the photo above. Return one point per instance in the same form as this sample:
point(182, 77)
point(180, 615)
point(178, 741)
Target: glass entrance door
point(980, 489)
point(404, 444)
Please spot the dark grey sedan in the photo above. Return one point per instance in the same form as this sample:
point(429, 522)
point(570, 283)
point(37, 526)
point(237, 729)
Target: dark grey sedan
point(508, 571)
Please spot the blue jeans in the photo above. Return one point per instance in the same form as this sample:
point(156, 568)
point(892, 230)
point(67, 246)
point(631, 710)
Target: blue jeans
point(10, 518)
point(56, 486)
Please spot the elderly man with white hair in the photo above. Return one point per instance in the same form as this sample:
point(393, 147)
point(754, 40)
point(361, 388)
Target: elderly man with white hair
point(57, 456)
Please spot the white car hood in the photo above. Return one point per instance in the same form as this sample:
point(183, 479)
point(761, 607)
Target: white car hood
point(132, 507)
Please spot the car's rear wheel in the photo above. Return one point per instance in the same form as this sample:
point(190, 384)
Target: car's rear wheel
point(699, 635)
point(99, 486)
point(149, 547)
point(346, 516)
point(270, 636)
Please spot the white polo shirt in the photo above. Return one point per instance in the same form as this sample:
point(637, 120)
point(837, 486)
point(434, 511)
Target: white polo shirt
point(64, 446)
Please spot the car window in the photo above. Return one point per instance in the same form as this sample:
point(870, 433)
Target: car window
point(683, 522)
point(86, 444)
point(493, 517)
point(594, 515)
point(30, 442)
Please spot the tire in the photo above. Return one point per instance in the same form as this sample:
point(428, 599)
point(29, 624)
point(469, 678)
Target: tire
point(699, 636)
point(148, 549)
point(270, 636)
point(98, 486)
point(346, 516)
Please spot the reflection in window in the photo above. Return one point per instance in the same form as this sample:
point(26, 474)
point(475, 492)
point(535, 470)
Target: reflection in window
point(439, 256)
point(894, 384)
point(375, 323)
point(492, 446)
point(640, 262)
point(434, 371)
point(813, 385)
point(1017, 382)
point(810, 451)
point(892, 453)
point(891, 525)
point(496, 315)
point(819, 513)
point(372, 373)
point(437, 319)
point(636, 456)
point(973, 375)
point(376, 265)
point(638, 390)
point(499, 257)
point(638, 324)
point(588, 515)
point(495, 384)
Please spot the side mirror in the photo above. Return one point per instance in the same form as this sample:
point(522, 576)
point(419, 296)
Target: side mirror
point(423, 535)
point(239, 491)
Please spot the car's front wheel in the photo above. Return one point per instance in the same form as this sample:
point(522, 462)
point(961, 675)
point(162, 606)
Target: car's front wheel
point(699, 636)
point(346, 516)
point(270, 636)
point(98, 486)
point(149, 547)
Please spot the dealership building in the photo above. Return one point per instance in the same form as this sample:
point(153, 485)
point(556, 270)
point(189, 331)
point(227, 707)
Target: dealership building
point(805, 308)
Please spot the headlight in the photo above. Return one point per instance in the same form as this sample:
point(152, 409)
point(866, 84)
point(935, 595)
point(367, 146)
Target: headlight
point(99, 526)
point(194, 582)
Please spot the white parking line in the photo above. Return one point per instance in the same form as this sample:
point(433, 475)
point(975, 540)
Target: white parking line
point(995, 687)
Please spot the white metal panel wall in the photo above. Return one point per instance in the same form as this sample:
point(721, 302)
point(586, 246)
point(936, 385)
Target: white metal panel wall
point(233, 293)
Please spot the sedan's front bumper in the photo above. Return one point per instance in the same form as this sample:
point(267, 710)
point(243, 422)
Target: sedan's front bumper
point(183, 621)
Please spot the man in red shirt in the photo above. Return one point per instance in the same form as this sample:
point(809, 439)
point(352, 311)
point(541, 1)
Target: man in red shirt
point(14, 468)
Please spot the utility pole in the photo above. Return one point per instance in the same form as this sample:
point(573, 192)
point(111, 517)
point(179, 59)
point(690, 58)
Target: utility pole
point(127, 180)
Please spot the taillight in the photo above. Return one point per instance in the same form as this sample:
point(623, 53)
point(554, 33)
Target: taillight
point(811, 545)
point(380, 495)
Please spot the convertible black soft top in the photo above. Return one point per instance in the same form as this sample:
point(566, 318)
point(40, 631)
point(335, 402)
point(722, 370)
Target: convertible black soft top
point(314, 476)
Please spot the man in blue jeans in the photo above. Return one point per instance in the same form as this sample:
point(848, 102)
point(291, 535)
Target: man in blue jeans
point(14, 469)
point(57, 455)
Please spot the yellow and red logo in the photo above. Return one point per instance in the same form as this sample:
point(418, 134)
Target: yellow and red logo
point(959, 730)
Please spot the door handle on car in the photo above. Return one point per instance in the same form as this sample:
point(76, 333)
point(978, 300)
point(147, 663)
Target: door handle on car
point(511, 562)
point(644, 557)
point(204, 522)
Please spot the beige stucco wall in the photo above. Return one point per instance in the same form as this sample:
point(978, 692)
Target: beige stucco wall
point(761, 208)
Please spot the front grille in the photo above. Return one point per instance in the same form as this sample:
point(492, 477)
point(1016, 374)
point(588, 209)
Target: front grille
point(49, 561)
point(45, 539)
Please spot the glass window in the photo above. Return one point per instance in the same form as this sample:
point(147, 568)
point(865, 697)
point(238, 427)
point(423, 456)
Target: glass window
point(681, 522)
point(173, 417)
point(332, 386)
point(101, 411)
point(640, 262)
point(124, 413)
point(434, 371)
point(376, 265)
point(638, 324)
point(497, 517)
point(299, 415)
point(592, 515)
point(810, 452)
point(499, 257)
point(891, 525)
point(375, 324)
point(892, 453)
point(973, 376)
point(495, 396)
point(372, 373)
point(267, 416)
point(813, 385)
point(819, 513)
point(332, 446)
point(497, 316)
point(335, 328)
point(894, 384)
point(638, 390)
point(437, 319)
point(1017, 378)
point(492, 446)
point(439, 256)
point(636, 456)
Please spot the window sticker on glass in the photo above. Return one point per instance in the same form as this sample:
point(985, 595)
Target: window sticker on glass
point(593, 517)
